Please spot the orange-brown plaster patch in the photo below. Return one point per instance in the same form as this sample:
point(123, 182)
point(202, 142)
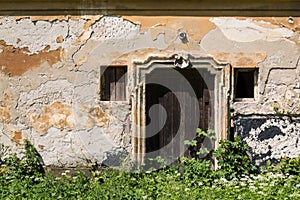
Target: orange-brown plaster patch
point(195, 27)
point(61, 116)
point(141, 55)
point(56, 115)
point(17, 61)
point(90, 21)
point(284, 22)
point(5, 114)
point(240, 59)
point(84, 36)
point(277, 22)
point(97, 117)
point(17, 137)
point(59, 39)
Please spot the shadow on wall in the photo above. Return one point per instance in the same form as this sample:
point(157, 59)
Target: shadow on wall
point(269, 138)
point(115, 158)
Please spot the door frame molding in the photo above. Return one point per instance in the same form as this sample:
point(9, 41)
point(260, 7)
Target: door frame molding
point(221, 95)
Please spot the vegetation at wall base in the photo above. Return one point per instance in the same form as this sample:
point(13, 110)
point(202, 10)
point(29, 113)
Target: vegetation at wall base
point(191, 178)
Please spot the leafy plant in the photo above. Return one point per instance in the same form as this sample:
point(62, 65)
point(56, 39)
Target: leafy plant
point(290, 166)
point(233, 158)
point(203, 144)
point(190, 178)
point(27, 165)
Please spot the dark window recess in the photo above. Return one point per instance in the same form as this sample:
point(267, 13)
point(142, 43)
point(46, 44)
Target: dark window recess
point(113, 83)
point(245, 81)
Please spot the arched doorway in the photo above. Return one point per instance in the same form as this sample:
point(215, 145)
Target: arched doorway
point(178, 101)
point(163, 89)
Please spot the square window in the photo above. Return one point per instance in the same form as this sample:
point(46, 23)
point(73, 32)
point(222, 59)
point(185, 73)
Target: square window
point(245, 82)
point(113, 83)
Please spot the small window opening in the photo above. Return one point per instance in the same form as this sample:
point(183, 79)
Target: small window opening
point(113, 83)
point(245, 83)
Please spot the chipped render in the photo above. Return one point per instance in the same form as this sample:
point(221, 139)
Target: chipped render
point(50, 79)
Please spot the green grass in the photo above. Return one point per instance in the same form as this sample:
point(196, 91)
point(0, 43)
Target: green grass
point(177, 182)
point(24, 178)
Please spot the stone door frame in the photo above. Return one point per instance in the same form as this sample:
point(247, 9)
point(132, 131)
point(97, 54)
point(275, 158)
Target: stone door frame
point(221, 94)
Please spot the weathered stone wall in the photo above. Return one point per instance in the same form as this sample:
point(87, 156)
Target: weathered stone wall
point(270, 138)
point(50, 77)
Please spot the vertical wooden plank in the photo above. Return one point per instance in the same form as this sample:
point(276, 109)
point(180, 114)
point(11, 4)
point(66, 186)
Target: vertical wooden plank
point(206, 98)
point(161, 132)
point(120, 79)
point(166, 134)
point(195, 115)
point(170, 103)
point(186, 119)
point(161, 124)
point(106, 79)
point(111, 80)
point(201, 105)
point(183, 115)
point(175, 125)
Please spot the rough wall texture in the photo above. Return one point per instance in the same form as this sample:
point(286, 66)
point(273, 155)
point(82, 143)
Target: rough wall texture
point(50, 79)
point(270, 138)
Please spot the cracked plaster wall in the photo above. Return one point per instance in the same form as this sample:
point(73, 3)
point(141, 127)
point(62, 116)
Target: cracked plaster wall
point(50, 76)
point(270, 138)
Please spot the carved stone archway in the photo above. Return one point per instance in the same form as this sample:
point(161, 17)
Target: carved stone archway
point(216, 76)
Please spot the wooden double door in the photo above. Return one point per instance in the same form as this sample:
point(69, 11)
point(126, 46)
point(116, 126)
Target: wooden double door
point(182, 103)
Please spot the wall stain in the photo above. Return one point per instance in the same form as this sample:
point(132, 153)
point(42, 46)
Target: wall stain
point(5, 114)
point(17, 137)
point(56, 115)
point(62, 117)
point(241, 60)
point(97, 117)
point(86, 34)
point(17, 61)
point(195, 27)
point(292, 23)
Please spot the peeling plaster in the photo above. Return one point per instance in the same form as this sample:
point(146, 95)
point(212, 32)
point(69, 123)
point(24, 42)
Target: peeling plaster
point(50, 66)
point(43, 18)
point(63, 116)
point(16, 61)
point(5, 114)
point(5, 106)
point(56, 115)
point(248, 31)
point(45, 94)
point(195, 27)
point(270, 139)
point(17, 137)
point(20, 34)
point(276, 22)
point(240, 60)
point(108, 28)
